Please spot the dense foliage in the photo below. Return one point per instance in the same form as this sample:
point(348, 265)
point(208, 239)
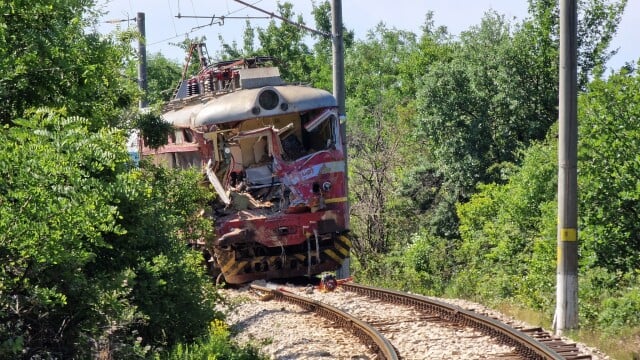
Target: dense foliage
point(86, 265)
point(94, 261)
point(47, 59)
point(508, 231)
point(452, 170)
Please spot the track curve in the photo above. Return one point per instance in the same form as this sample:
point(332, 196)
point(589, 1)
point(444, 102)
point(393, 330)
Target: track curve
point(365, 332)
point(527, 346)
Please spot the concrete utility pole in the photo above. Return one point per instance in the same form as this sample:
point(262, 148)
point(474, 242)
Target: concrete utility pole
point(566, 316)
point(339, 93)
point(338, 55)
point(142, 60)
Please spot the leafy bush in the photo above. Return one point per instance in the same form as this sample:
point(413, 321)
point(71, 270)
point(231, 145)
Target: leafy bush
point(609, 301)
point(508, 235)
point(432, 260)
point(216, 345)
point(621, 311)
point(93, 252)
point(609, 172)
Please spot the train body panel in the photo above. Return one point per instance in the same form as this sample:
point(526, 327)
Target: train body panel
point(274, 155)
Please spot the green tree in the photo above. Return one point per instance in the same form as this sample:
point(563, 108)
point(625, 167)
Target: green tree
point(609, 172)
point(508, 231)
point(87, 266)
point(374, 136)
point(92, 250)
point(163, 76)
point(508, 234)
point(286, 43)
point(321, 67)
point(55, 207)
point(383, 146)
point(496, 92)
point(48, 59)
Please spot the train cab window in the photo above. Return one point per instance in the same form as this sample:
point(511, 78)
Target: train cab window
point(292, 147)
point(179, 139)
point(319, 131)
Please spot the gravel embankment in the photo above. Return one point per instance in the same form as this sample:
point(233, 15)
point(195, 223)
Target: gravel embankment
point(285, 331)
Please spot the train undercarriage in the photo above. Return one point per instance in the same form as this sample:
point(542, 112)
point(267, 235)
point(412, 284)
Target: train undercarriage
point(247, 261)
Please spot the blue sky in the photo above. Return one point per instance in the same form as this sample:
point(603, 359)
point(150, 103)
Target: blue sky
point(162, 27)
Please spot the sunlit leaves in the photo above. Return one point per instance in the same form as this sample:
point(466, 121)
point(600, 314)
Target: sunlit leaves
point(90, 243)
point(609, 170)
point(48, 58)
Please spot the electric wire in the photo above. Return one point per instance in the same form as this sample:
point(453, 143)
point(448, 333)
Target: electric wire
point(240, 9)
point(130, 9)
point(173, 21)
point(193, 8)
point(197, 28)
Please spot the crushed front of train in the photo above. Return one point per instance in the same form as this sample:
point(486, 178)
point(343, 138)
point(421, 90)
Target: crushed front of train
point(274, 155)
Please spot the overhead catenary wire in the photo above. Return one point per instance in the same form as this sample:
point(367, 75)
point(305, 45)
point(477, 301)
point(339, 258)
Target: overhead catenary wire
point(175, 29)
point(194, 29)
point(227, 16)
point(193, 8)
point(298, 25)
point(219, 18)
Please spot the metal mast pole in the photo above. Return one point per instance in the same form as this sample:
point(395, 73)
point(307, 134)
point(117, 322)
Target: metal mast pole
point(339, 93)
point(142, 60)
point(566, 316)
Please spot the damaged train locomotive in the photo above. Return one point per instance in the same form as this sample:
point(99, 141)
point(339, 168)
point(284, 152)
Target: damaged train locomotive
point(274, 155)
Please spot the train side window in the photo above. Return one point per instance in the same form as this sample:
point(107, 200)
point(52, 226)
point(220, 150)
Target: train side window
point(188, 136)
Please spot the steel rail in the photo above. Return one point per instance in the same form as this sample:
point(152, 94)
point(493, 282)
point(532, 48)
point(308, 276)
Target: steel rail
point(370, 336)
point(527, 346)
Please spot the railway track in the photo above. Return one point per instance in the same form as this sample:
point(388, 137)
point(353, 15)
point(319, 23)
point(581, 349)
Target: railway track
point(373, 330)
point(365, 332)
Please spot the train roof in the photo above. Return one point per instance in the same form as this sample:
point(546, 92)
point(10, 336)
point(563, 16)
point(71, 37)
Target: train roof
point(262, 102)
point(239, 90)
point(249, 104)
point(183, 117)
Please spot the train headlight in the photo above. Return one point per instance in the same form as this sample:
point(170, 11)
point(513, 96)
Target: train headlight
point(269, 99)
point(326, 186)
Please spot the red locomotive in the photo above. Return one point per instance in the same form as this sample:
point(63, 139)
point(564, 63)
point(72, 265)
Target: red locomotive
point(274, 155)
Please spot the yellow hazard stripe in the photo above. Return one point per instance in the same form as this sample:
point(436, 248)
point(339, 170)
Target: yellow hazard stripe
point(342, 250)
point(335, 200)
point(345, 240)
point(232, 267)
point(228, 265)
point(333, 255)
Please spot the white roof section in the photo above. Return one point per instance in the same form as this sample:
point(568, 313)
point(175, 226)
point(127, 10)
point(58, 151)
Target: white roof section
point(239, 105)
point(183, 117)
